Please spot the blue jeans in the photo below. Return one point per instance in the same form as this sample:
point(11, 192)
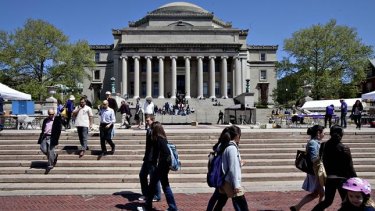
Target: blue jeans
point(343, 119)
point(161, 174)
point(82, 134)
point(148, 169)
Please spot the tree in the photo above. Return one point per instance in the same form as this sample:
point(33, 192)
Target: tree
point(330, 57)
point(39, 55)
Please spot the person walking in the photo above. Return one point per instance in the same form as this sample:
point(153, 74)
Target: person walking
point(125, 114)
point(221, 115)
point(162, 157)
point(69, 105)
point(232, 164)
point(83, 121)
point(107, 121)
point(357, 113)
point(148, 108)
point(1, 113)
point(111, 101)
point(138, 113)
point(149, 165)
point(329, 113)
point(338, 163)
point(49, 138)
point(343, 111)
point(311, 183)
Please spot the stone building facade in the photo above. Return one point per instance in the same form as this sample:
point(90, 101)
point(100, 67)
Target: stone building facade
point(181, 48)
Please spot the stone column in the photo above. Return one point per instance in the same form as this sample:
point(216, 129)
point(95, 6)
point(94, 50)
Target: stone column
point(224, 77)
point(136, 76)
point(124, 76)
point(212, 77)
point(200, 76)
point(238, 76)
point(161, 76)
point(174, 76)
point(148, 77)
point(187, 76)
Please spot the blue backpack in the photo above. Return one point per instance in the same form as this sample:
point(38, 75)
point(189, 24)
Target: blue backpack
point(216, 174)
point(175, 162)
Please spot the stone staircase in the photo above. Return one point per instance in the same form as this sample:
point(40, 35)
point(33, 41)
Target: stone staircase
point(205, 111)
point(269, 159)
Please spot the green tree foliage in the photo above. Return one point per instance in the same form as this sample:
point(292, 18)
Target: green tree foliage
point(39, 55)
point(330, 57)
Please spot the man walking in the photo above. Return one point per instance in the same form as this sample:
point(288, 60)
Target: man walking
point(111, 101)
point(83, 121)
point(344, 111)
point(329, 113)
point(125, 114)
point(107, 120)
point(148, 108)
point(1, 113)
point(49, 138)
point(221, 115)
point(148, 166)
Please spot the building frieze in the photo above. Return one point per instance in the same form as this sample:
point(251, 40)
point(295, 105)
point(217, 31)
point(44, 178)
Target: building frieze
point(101, 47)
point(262, 47)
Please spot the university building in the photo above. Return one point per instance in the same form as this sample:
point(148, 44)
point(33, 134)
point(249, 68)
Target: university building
point(181, 48)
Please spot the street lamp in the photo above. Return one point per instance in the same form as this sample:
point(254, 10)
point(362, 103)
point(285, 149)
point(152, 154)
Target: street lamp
point(113, 79)
point(247, 85)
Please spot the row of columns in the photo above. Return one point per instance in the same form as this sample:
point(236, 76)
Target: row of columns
point(224, 76)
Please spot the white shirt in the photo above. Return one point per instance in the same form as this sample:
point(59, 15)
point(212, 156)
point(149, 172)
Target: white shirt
point(148, 108)
point(83, 116)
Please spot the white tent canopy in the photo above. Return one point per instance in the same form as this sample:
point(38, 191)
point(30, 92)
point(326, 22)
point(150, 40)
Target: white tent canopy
point(320, 105)
point(369, 96)
point(12, 94)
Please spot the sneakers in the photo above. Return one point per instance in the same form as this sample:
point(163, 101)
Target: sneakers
point(141, 209)
point(82, 153)
point(155, 199)
point(142, 198)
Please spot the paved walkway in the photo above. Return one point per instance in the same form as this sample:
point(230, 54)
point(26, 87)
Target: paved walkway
point(129, 201)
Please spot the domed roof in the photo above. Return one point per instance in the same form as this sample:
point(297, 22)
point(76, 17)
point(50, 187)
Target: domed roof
point(176, 7)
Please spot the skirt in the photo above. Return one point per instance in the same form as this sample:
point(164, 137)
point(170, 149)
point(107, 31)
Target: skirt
point(311, 183)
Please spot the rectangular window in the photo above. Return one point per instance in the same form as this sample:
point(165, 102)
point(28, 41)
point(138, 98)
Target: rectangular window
point(229, 88)
point(96, 75)
point(132, 88)
point(144, 88)
point(205, 89)
point(205, 66)
point(217, 88)
point(155, 91)
point(263, 75)
point(97, 56)
point(262, 57)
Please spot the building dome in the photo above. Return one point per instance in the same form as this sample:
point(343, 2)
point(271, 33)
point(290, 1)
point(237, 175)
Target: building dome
point(180, 7)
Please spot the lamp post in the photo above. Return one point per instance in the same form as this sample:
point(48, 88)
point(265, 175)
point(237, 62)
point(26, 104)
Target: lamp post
point(113, 85)
point(286, 96)
point(247, 85)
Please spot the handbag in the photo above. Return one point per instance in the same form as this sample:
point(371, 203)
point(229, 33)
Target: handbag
point(303, 162)
point(319, 169)
point(64, 113)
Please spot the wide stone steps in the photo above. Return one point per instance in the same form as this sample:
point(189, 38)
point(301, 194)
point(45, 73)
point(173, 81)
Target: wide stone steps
point(269, 159)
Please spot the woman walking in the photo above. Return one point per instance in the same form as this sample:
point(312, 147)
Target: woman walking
point(338, 164)
point(357, 113)
point(311, 183)
point(162, 157)
point(232, 163)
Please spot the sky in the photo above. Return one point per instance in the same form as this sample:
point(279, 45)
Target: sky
point(270, 22)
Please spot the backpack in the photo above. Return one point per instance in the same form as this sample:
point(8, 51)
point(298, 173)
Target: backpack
point(215, 174)
point(175, 162)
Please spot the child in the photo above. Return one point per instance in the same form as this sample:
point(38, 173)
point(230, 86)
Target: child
point(358, 195)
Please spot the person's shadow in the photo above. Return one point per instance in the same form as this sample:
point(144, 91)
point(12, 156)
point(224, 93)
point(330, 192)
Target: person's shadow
point(132, 200)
